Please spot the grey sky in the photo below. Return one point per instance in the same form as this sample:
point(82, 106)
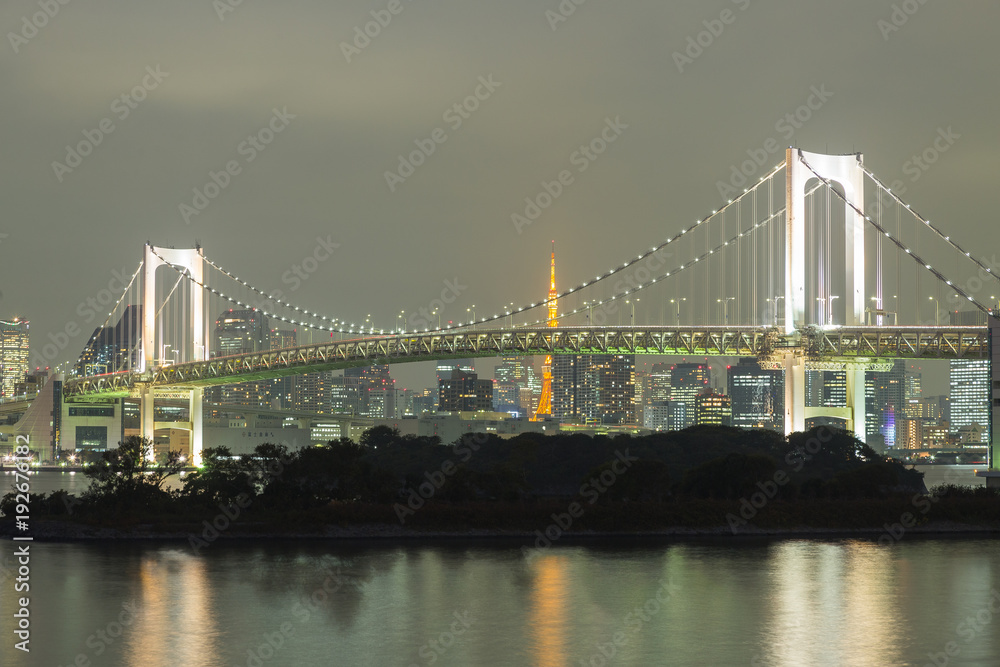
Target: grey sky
point(323, 175)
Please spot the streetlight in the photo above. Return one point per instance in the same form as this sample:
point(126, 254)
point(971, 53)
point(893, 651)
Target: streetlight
point(878, 310)
point(774, 301)
point(822, 307)
point(831, 307)
point(401, 316)
point(725, 306)
point(473, 311)
point(632, 304)
point(438, 313)
point(678, 312)
point(937, 319)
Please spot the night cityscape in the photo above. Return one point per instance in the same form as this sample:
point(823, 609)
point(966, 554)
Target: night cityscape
point(568, 333)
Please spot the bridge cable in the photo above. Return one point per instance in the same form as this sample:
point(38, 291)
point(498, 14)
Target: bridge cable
point(927, 223)
point(908, 251)
point(98, 331)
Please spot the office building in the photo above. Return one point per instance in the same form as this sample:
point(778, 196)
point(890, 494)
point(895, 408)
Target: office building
point(970, 393)
point(713, 408)
point(117, 347)
point(594, 389)
point(464, 392)
point(687, 380)
point(665, 416)
point(758, 395)
point(13, 355)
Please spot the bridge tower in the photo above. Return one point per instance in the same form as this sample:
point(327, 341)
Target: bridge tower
point(846, 171)
point(193, 261)
point(545, 401)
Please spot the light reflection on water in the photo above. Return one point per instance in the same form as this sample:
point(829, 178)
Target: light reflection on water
point(780, 602)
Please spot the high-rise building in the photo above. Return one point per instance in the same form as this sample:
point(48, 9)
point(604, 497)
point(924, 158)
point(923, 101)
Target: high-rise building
point(446, 366)
point(511, 376)
point(425, 401)
point(114, 348)
point(376, 390)
point(242, 332)
point(13, 354)
point(758, 395)
point(687, 380)
point(970, 393)
point(465, 392)
point(885, 402)
point(713, 408)
point(594, 389)
point(967, 318)
point(314, 393)
point(665, 416)
point(656, 388)
point(827, 389)
point(282, 390)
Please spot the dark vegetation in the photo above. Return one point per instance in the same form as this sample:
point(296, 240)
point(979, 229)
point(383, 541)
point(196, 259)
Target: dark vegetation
point(702, 477)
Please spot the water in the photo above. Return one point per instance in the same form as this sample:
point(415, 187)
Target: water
point(723, 602)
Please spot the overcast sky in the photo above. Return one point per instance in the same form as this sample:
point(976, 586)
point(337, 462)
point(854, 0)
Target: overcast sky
point(213, 74)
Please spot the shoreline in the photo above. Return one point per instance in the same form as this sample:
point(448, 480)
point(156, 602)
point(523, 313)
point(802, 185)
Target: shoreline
point(73, 532)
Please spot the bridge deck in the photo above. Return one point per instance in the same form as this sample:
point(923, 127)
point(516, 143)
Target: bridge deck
point(819, 344)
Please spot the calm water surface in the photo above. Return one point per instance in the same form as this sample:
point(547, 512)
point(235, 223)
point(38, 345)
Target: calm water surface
point(725, 602)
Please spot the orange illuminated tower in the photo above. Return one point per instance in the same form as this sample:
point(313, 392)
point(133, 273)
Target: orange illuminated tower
point(545, 402)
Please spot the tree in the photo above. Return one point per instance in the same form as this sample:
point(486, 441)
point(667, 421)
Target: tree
point(126, 477)
point(221, 479)
point(379, 436)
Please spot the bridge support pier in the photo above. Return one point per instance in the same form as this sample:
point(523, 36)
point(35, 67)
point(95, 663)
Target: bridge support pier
point(795, 393)
point(146, 418)
point(195, 411)
point(856, 402)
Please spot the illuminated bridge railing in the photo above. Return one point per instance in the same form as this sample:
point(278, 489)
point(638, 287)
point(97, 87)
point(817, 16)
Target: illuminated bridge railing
point(761, 342)
point(892, 342)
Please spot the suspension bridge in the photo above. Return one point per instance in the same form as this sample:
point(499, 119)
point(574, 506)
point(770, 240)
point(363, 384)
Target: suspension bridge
point(817, 266)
